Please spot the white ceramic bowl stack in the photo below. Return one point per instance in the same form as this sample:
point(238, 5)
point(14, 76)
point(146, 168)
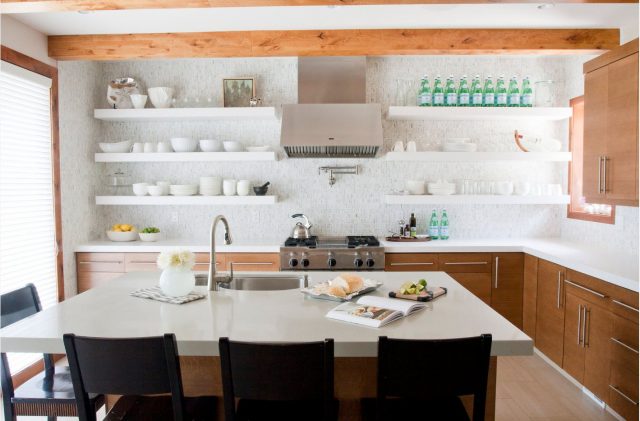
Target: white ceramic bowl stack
point(415, 187)
point(140, 189)
point(211, 186)
point(441, 188)
point(183, 189)
point(184, 144)
point(161, 97)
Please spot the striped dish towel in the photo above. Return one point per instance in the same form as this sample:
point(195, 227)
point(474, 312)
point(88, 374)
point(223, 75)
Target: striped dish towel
point(155, 293)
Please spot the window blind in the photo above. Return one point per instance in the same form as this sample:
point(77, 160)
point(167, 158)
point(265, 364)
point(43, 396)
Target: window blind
point(27, 219)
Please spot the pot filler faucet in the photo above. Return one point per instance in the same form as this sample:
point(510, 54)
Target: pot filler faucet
point(213, 279)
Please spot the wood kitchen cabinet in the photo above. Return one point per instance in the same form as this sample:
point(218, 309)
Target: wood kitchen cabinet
point(623, 378)
point(264, 262)
point(410, 262)
point(95, 269)
point(550, 310)
point(507, 286)
point(529, 295)
point(610, 166)
point(471, 270)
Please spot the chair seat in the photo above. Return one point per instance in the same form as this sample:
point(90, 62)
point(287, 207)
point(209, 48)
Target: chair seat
point(49, 395)
point(251, 410)
point(158, 408)
point(409, 409)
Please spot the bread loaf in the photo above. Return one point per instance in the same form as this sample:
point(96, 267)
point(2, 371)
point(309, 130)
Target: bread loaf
point(337, 291)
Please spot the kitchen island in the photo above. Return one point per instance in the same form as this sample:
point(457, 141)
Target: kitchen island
point(275, 316)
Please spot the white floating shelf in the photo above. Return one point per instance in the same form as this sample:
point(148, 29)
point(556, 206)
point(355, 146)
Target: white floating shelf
point(479, 156)
point(185, 200)
point(475, 200)
point(186, 157)
point(478, 113)
point(184, 114)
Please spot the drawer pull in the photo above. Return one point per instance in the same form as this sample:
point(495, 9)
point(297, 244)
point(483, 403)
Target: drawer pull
point(558, 290)
point(412, 264)
point(579, 323)
point(585, 289)
point(465, 263)
point(619, 342)
point(253, 263)
point(142, 263)
point(101, 261)
point(497, 263)
point(627, 306)
point(619, 392)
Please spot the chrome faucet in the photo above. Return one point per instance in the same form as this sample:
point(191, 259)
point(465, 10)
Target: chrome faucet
point(213, 280)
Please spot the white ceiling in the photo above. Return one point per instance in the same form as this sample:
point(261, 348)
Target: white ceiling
point(623, 16)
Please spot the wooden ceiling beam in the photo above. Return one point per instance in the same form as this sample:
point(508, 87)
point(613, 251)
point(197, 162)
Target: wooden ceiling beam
point(368, 42)
point(41, 6)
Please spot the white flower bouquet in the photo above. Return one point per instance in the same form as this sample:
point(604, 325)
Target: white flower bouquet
point(176, 259)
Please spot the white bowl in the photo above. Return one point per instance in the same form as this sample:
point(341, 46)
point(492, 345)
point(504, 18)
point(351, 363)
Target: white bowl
point(210, 145)
point(161, 97)
point(138, 101)
point(263, 148)
point(122, 236)
point(415, 187)
point(441, 188)
point(156, 190)
point(442, 191)
point(140, 189)
point(116, 147)
point(233, 146)
point(183, 189)
point(184, 144)
point(149, 236)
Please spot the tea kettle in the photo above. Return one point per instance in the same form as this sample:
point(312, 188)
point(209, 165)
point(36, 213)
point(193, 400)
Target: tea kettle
point(301, 231)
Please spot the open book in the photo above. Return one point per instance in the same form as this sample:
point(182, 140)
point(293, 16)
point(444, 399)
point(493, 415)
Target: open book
point(374, 311)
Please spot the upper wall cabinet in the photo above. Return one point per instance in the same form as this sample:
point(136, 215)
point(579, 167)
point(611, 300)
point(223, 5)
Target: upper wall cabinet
point(611, 127)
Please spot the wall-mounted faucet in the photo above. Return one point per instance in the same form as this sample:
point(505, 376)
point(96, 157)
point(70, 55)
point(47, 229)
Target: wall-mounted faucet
point(337, 170)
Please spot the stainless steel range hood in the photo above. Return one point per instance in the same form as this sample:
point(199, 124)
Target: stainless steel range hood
point(331, 118)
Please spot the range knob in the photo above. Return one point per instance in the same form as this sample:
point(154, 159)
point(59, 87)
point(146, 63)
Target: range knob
point(331, 261)
point(358, 262)
point(293, 262)
point(304, 261)
point(370, 262)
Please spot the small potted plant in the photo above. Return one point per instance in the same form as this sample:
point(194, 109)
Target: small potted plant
point(150, 234)
point(177, 279)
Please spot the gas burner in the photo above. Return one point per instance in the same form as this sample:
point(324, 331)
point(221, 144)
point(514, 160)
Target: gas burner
point(362, 240)
point(311, 242)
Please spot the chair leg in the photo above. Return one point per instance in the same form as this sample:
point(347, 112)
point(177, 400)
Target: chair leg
point(52, 418)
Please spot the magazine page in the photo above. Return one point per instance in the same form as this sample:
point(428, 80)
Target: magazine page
point(364, 314)
point(404, 306)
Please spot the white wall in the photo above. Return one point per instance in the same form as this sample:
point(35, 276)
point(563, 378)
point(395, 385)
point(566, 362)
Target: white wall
point(20, 37)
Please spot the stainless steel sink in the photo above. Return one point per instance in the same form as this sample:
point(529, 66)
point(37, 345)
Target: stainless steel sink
point(275, 282)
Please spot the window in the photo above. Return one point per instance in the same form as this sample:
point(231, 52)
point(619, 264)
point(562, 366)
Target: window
point(578, 208)
point(29, 225)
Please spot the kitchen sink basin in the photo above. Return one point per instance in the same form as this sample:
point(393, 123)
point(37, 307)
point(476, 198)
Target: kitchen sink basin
point(275, 282)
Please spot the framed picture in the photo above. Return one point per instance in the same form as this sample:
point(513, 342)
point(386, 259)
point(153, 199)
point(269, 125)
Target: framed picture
point(237, 92)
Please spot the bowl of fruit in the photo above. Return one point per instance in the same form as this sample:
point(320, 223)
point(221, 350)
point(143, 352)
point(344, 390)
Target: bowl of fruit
point(122, 232)
point(150, 234)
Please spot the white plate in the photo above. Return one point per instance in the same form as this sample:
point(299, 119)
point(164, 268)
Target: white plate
point(317, 291)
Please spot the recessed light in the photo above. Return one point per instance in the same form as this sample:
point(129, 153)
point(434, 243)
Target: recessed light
point(545, 6)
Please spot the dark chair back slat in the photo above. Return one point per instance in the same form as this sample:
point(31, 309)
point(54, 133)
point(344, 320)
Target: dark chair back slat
point(277, 372)
point(129, 366)
point(448, 368)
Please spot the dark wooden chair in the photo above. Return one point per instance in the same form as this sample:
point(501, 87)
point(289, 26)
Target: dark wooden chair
point(49, 394)
point(133, 367)
point(292, 381)
point(424, 379)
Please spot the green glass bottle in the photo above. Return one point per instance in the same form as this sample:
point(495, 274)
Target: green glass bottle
point(501, 93)
point(437, 98)
point(450, 93)
point(489, 93)
point(434, 228)
point(444, 226)
point(513, 97)
point(476, 92)
point(526, 99)
point(424, 96)
point(464, 96)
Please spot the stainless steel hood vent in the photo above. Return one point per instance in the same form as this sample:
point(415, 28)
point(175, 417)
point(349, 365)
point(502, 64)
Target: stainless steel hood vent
point(331, 119)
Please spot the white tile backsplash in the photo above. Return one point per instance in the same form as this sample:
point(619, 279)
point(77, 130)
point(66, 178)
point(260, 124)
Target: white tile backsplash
point(354, 204)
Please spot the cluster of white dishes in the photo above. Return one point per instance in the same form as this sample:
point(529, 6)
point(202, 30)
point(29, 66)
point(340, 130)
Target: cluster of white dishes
point(179, 144)
point(420, 187)
point(459, 144)
point(209, 186)
point(161, 97)
point(480, 187)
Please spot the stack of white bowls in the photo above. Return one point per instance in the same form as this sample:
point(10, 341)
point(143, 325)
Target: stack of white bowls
point(211, 186)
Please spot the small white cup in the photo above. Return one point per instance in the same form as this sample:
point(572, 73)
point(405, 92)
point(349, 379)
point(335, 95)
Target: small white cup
point(149, 147)
point(140, 189)
point(411, 146)
point(243, 187)
point(398, 146)
point(164, 147)
point(165, 187)
point(229, 187)
point(138, 147)
point(138, 100)
point(522, 188)
point(416, 187)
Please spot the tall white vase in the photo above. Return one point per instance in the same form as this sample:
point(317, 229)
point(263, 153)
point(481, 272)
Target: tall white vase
point(177, 282)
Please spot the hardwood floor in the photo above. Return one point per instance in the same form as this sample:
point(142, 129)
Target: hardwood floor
point(530, 389)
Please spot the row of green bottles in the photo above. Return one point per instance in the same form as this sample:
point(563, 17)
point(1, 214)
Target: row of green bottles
point(476, 95)
point(439, 229)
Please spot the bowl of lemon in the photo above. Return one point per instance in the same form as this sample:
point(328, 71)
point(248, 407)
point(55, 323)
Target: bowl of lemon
point(122, 232)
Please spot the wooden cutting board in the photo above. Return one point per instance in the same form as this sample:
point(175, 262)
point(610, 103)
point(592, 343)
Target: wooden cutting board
point(431, 294)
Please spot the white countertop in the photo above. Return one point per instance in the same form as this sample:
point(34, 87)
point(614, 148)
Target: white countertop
point(261, 316)
point(618, 269)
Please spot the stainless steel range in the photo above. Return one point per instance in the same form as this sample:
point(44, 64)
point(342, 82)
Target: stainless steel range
point(332, 253)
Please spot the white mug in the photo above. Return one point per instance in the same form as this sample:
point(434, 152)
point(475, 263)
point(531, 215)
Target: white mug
point(149, 147)
point(165, 187)
point(164, 147)
point(229, 187)
point(243, 187)
point(398, 146)
point(138, 101)
point(411, 146)
point(138, 147)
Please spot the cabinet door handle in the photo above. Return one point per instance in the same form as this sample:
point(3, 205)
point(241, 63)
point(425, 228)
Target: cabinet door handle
point(465, 263)
point(604, 174)
point(579, 322)
point(619, 342)
point(585, 289)
point(101, 261)
point(253, 263)
point(619, 392)
point(558, 290)
point(497, 265)
point(411, 264)
point(599, 174)
point(587, 327)
point(627, 306)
